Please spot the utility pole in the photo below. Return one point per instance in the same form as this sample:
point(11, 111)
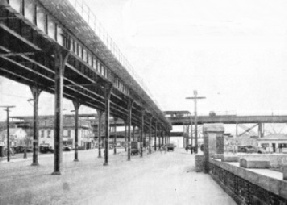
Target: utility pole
point(195, 98)
point(8, 107)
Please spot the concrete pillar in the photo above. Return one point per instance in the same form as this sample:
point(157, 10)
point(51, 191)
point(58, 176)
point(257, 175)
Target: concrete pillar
point(130, 107)
point(36, 93)
point(77, 106)
point(213, 142)
point(100, 113)
point(155, 135)
point(60, 59)
point(115, 136)
point(108, 90)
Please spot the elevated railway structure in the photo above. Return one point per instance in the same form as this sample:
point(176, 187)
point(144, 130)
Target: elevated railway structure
point(186, 118)
point(59, 47)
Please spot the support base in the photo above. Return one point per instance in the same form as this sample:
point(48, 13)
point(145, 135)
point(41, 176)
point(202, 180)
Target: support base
point(106, 164)
point(56, 173)
point(76, 160)
point(35, 164)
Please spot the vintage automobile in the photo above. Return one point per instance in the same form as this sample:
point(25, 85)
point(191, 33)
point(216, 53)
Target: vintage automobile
point(251, 149)
point(170, 147)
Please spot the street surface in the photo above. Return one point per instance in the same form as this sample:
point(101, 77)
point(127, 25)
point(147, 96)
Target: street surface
point(159, 178)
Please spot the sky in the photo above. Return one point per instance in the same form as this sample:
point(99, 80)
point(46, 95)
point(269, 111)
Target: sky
point(233, 52)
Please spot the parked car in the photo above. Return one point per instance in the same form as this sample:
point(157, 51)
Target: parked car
point(188, 147)
point(251, 149)
point(170, 147)
point(134, 151)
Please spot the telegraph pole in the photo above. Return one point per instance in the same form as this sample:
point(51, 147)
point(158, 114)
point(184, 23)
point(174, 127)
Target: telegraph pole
point(195, 98)
point(8, 107)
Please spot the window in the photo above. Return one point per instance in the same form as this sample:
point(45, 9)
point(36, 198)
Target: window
point(51, 31)
point(69, 134)
point(29, 10)
point(76, 48)
point(94, 62)
point(90, 59)
point(43, 134)
point(72, 45)
point(80, 51)
point(49, 133)
point(60, 35)
point(41, 19)
point(85, 55)
point(102, 70)
point(16, 4)
point(99, 67)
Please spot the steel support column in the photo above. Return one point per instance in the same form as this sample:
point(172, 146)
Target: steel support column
point(60, 58)
point(36, 93)
point(260, 130)
point(159, 138)
point(100, 113)
point(142, 130)
point(134, 138)
point(130, 107)
point(115, 136)
point(77, 106)
point(155, 135)
point(108, 89)
point(162, 139)
point(150, 133)
point(125, 136)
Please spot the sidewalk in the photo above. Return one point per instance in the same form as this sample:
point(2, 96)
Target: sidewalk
point(158, 178)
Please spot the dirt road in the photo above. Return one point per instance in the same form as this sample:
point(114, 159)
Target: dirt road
point(154, 179)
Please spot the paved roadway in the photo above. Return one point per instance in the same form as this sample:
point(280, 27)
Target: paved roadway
point(160, 178)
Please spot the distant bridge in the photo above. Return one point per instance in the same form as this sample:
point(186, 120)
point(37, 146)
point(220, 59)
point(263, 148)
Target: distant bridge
point(184, 117)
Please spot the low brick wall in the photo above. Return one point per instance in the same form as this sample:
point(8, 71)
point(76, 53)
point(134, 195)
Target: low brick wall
point(247, 187)
point(276, 160)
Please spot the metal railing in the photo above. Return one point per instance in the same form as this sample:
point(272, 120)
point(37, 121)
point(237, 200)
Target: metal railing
point(83, 9)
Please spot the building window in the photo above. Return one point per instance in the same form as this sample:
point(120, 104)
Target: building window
point(80, 51)
point(41, 19)
point(43, 133)
point(49, 133)
point(60, 36)
point(51, 31)
point(29, 10)
point(69, 133)
point(94, 62)
point(99, 66)
point(16, 4)
point(90, 62)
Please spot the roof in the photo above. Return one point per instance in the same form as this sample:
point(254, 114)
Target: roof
point(177, 112)
point(274, 136)
point(48, 121)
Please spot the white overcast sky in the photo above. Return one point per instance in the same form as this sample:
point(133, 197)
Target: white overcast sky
point(234, 52)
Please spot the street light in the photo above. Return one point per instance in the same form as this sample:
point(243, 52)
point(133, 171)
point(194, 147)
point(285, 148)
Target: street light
point(195, 98)
point(8, 107)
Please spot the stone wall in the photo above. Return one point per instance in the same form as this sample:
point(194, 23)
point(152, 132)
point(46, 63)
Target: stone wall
point(276, 160)
point(247, 187)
